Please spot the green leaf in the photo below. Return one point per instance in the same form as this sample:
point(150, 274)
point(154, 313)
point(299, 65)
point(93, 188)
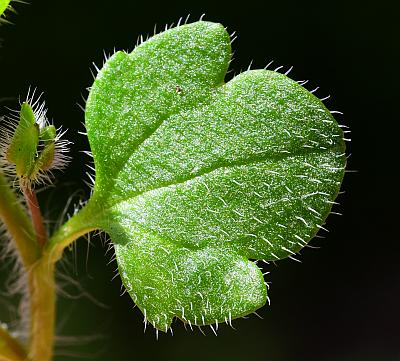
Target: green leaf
point(46, 157)
point(23, 147)
point(48, 134)
point(195, 177)
point(4, 5)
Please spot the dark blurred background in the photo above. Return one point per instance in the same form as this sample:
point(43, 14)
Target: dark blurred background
point(342, 302)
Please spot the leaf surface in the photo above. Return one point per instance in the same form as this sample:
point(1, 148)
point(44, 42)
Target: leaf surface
point(3, 5)
point(195, 177)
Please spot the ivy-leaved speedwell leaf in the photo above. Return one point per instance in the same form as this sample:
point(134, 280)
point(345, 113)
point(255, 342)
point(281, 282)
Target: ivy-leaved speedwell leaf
point(195, 177)
point(3, 5)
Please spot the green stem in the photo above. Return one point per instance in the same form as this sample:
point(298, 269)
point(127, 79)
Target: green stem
point(10, 348)
point(36, 215)
point(42, 310)
point(42, 283)
point(40, 263)
point(18, 224)
point(77, 226)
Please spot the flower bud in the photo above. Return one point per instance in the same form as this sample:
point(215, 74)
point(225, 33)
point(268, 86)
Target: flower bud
point(32, 148)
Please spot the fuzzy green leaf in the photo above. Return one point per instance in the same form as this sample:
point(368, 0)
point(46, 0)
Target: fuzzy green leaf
point(48, 137)
point(48, 134)
point(23, 147)
point(194, 177)
point(4, 5)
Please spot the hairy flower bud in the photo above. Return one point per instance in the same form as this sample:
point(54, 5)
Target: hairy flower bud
point(32, 147)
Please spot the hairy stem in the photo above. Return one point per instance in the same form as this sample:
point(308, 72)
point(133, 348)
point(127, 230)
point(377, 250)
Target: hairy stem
point(42, 284)
point(36, 215)
point(10, 348)
point(42, 310)
point(18, 224)
point(39, 257)
point(77, 226)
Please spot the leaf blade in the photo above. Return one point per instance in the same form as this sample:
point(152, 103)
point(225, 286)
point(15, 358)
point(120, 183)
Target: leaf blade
point(201, 286)
point(122, 90)
point(236, 171)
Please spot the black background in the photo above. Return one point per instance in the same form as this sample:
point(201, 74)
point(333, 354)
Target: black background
point(342, 302)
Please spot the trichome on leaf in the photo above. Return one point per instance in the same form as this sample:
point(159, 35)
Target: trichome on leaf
point(193, 185)
point(195, 179)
